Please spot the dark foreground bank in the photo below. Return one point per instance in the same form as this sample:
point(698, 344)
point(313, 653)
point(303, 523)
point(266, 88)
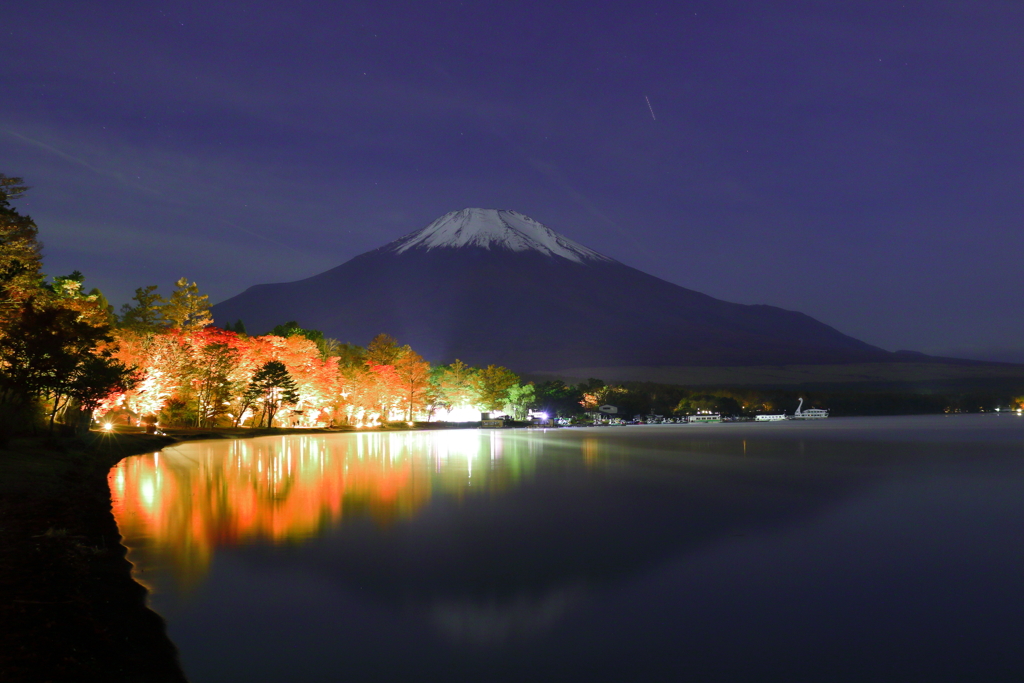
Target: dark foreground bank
point(69, 608)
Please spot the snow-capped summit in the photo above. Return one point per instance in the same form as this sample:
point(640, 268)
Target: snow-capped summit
point(497, 229)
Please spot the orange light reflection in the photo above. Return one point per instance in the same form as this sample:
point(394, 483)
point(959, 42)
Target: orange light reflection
point(177, 507)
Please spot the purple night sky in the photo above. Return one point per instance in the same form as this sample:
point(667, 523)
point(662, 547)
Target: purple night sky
point(862, 162)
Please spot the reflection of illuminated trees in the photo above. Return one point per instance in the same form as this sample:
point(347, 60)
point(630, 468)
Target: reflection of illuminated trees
point(218, 494)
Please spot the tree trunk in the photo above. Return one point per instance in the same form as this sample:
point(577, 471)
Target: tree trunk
point(83, 423)
point(53, 413)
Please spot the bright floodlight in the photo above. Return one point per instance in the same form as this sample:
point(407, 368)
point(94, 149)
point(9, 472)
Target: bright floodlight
point(107, 426)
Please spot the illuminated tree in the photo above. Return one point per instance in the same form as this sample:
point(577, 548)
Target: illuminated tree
point(493, 383)
point(456, 385)
point(187, 309)
point(159, 361)
point(381, 390)
point(20, 257)
point(383, 350)
point(351, 371)
point(70, 292)
point(327, 347)
point(520, 400)
point(315, 378)
point(211, 381)
point(414, 374)
point(377, 386)
point(271, 387)
point(54, 353)
point(95, 378)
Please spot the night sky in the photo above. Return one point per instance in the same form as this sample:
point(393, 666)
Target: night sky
point(862, 162)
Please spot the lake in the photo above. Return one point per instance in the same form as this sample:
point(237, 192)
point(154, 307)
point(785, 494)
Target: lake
point(847, 549)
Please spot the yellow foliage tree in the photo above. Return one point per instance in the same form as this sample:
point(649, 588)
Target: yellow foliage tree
point(187, 309)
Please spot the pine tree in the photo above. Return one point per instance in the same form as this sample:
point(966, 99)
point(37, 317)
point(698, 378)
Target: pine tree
point(147, 313)
point(273, 387)
point(187, 309)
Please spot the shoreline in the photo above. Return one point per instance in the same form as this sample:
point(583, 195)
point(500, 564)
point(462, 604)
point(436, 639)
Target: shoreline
point(69, 607)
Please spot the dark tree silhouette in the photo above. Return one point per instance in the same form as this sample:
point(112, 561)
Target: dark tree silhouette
point(147, 313)
point(50, 351)
point(271, 387)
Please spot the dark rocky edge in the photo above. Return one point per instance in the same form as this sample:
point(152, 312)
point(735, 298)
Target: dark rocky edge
point(69, 608)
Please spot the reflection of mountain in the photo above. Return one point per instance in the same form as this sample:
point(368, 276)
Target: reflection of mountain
point(484, 622)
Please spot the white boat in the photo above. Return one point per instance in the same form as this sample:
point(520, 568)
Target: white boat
point(809, 414)
point(714, 417)
point(769, 418)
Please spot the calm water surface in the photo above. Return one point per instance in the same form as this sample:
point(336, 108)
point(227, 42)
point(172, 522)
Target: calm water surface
point(859, 549)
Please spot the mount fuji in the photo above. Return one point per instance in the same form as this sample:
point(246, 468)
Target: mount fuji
point(495, 286)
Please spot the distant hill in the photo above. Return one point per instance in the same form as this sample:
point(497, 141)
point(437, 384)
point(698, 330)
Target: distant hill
point(495, 286)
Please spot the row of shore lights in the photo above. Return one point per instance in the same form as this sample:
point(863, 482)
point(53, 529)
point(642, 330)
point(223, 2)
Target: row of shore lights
point(109, 426)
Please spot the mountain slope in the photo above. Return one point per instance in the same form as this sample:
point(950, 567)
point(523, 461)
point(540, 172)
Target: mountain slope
point(492, 286)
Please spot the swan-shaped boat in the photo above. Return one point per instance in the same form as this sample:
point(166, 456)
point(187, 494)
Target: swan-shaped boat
point(809, 414)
